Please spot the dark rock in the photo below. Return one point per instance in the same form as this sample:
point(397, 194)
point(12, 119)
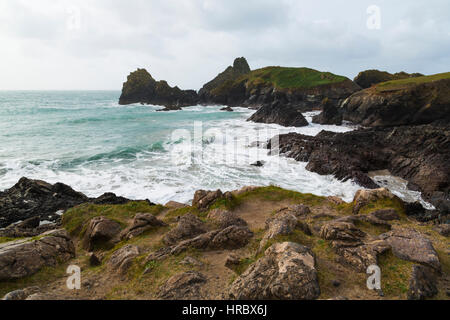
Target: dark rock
point(443, 229)
point(418, 154)
point(34, 198)
point(258, 164)
point(188, 227)
point(110, 199)
point(94, 260)
point(220, 90)
point(368, 78)
point(281, 114)
point(330, 114)
point(423, 283)
point(101, 232)
point(336, 283)
point(142, 88)
point(386, 214)
point(286, 272)
point(228, 109)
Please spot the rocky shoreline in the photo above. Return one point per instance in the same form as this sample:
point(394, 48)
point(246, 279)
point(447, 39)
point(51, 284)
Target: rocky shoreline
point(246, 244)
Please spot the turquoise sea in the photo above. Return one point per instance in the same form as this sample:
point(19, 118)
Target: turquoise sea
point(86, 140)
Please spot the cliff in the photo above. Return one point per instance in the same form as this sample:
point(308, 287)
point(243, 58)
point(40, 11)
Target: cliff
point(368, 78)
point(409, 101)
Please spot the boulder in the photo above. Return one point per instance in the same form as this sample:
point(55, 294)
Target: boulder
point(443, 229)
point(286, 272)
point(278, 113)
point(362, 256)
point(225, 219)
point(23, 258)
point(175, 205)
point(22, 294)
point(189, 226)
point(330, 114)
point(410, 245)
point(102, 232)
point(342, 230)
point(142, 222)
point(184, 286)
point(423, 283)
point(386, 214)
point(122, 259)
point(204, 199)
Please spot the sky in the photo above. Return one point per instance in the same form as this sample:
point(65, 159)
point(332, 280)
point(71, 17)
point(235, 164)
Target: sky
point(95, 44)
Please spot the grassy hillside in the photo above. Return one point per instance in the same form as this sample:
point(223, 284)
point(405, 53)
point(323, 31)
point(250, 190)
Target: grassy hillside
point(404, 83)
point(290, 78)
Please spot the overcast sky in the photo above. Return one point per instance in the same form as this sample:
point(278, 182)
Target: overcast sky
point(94, 44)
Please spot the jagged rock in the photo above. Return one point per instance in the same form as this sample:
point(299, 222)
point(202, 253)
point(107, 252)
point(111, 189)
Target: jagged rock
point(22, 294)
point(220, 89)
point(16, 231)
point(281, 114)
point(140, 87)
point(368, 78)
point(111, 199)
point(203, 199)
point(386, 214)
point(410, 245)
point(122, 259)
point(364, 197)
point(418, 154)
point(401, 104)
point(233, 237)
point(142, 222)
point(226, 218)
point(228, 109)
point(189, 226)
point(286, 272)
point(101, 231)
point(422, 284)
point(443, 229)
point(22, 258)
point(34, 198)
point(258, 164)
point(184, 286)
point(330, 114)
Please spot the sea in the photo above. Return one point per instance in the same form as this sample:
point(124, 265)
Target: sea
point(87, 140)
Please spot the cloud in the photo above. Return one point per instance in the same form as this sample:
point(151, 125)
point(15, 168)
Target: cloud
point(94, 44)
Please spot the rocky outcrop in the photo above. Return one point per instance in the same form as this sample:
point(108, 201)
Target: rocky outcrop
point(330, 114)
point(204, 199)
point(225, 219)
point(142, 88)
point(101, 232)
point(217, 91)
point(22, 258)
point(38, 199)
point(189, 226)
point(418, 154)
point(28, 228)
point(286, 272)
point(142, 223)
point(365, 197)
point(368, 78)
point(392, 104)
point(184, 286)
point(410, 245)
point(34, 198)
point(279, 113)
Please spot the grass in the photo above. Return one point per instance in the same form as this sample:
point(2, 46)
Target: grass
point(290, 78)
point(404, 83)
point(6, 239)
point(396, 274)
point(45, 275)
point(75, 219)
point(382, 204)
